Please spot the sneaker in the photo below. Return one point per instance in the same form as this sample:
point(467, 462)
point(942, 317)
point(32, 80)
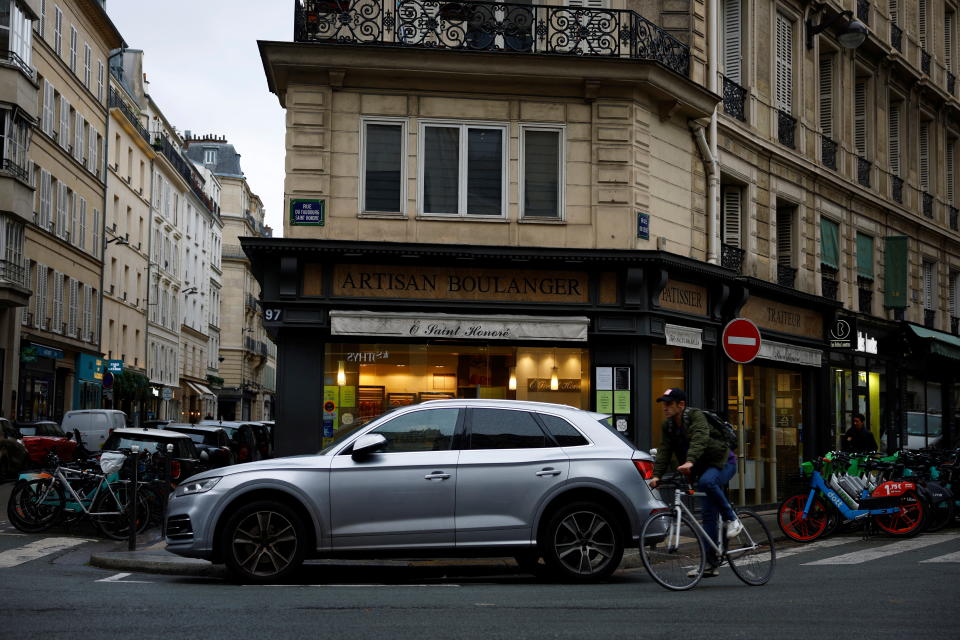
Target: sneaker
point(734, 527)
point(710, 571)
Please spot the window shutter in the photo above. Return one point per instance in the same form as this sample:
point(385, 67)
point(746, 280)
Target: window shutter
point(72, 201)
point(25, 318)
point(951, 152)
point(57, 302)
point(732, 22)
point(928, 285)
point(922, 23)
point(64, 136)
point(41, 293)
point(95, 324)
point(948, 41)
point(97, 239)
point(826, 96)
point(784, 63)
point(955, 294)
point(894, 138)
point(924, 157)
point(785, 237)
point(92, 150)
point(78, 138)
point(731, 216)
point(72, 314)
point(893, 11)
point(81, 240)
point(860, 118)
point(62, 210)
point(46, 196)
point(87, 304)
point(49, 107)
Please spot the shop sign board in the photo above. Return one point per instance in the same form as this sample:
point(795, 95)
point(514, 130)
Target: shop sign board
point(741, 340)
point(685, 297)
point(687, 337)
point(783, 318)
point(469, 327)
point(115, 366)
point(167, 393)
point(791, 354)
point(842, 333)
point(866, 343)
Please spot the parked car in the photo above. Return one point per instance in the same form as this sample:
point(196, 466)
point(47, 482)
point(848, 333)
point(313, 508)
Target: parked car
point(94, 425)
point(243, 438)
point(186, 458)
point(923, 429)
point(210, 441)
point(13, 453)
point(42, 437)
point(264, 439)
point(446, 477)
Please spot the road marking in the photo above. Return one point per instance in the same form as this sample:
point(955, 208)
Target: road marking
point(813, 546)
point(342, 586)
point(950, 557)
point(38, 549)
point(866, 555)
point(119, 577)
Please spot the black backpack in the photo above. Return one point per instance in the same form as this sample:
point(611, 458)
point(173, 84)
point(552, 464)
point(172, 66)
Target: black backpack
point(722, 430)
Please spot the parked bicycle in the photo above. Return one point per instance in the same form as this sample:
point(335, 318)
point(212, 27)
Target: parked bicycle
point(673, 544)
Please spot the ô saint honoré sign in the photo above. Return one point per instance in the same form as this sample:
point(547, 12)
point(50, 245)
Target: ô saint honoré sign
point(469, 327)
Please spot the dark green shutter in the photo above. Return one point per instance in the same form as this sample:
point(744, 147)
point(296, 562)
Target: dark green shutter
point(829, 243)
point(865, 256)
point(895, 272)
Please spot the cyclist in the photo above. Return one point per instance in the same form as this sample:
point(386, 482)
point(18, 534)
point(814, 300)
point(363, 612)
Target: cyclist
point(859, 439)
point(687, 435)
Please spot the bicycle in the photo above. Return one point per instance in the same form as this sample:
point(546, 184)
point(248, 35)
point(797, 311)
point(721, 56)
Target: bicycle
point(673, 545)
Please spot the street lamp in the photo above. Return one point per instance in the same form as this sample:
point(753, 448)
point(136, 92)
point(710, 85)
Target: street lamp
point(190, 291)
point(116, 239)
point(850, 37)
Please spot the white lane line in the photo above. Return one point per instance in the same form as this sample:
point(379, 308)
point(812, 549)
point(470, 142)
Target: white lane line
point(38, 549)
point(950, 557)
point(813, 546)
point(119, 577)
point(866, 555)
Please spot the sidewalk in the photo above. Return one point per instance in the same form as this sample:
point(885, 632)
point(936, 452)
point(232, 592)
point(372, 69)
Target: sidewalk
point(152, 557)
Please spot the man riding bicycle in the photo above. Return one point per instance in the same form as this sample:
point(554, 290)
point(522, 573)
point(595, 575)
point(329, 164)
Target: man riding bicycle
point(701, 454)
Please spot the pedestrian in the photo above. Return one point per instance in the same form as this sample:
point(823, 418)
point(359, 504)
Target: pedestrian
point(702, 455)
point(859, 439)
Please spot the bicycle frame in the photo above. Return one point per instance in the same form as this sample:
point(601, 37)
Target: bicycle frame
point(718, 547)
point(817, 484)
point(74, 501)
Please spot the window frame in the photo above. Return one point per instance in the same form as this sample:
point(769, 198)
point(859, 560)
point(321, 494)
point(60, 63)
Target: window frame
point(362, 172)
point(561, 130)
point(463, 170)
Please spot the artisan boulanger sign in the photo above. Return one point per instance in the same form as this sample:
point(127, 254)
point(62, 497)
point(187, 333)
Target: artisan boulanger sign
point(442, 325)
point(682, 296)
point(442, 283)
point(784, 318)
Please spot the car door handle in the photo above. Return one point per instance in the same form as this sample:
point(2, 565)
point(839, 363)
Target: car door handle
point(436, 475)
point(548, 472)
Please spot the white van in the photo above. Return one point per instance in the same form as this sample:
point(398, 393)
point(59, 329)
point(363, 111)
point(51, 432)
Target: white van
point(94, 425)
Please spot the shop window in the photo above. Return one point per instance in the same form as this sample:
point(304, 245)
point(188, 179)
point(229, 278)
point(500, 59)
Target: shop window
point(666, 372)
point(382, 179)
point(463, 169)
point(562, 431)
point(542, 172)
point(505, 429)
point(429, 430)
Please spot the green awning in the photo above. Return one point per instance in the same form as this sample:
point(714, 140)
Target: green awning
point(865, 255)
point(939, 343)
point(829, 243)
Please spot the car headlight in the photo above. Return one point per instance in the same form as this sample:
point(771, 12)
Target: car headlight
point(199, 486)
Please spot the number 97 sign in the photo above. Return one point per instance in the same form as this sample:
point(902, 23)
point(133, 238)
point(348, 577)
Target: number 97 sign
point(272, 314)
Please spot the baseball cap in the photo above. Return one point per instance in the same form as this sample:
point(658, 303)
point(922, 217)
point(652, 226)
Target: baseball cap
point(673, 395)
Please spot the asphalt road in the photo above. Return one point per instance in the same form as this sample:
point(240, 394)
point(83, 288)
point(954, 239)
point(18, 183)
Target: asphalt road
point(876, 588)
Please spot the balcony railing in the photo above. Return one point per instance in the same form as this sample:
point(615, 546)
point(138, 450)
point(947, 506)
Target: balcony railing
point(925, 62)
point(115, 101)
point(731, 257)
point(11, 167)
point(828, 152)
point(489, 26)
point(955, 325)
point(829, 282)
point(14, 272)
point(863, 171)
point(929, 318)
point(786, 275)
point(864, 294)
point(951, 82)
point(928, 205)
point(786, 129)
point(734, 100)
point(863, 11)
point(896, 37)
point(953, 219)
point(14, 59)
point(897, 188)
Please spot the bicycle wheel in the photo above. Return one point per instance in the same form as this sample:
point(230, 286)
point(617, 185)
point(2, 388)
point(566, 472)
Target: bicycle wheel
point(35, 505)
point(909, 521)
point(939, 514)
point(751, 554)
point(791, 521)
point(112, 518)
point(671, 551)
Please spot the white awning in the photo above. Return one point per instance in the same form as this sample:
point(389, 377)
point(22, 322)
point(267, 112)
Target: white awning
point(457, 326)
point(199, 389)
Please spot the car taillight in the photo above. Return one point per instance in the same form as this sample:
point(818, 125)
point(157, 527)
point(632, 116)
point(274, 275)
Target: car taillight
point(174, 469)
point(244, 452)
point(645, 467)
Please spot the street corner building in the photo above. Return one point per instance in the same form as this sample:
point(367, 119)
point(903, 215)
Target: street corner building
point(568, 204)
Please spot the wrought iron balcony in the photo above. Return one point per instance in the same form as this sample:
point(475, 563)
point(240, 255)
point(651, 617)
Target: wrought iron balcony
point(829, 282)
point(731, 257)
point(953, 218)
point(490, 26)
point(955, 325)
point(929, 318)
point(11, 167)
point(896, 37)
point(13, 58)
point(828, 152)
point(14, 272)
point(863, 171)
point(864, 294)
point(928, 205)
point(734, 100)
point(786, 275)
point(925, 62)
point(786, 129)
point(863, 11)
point(115, 101)
point(897, 188)
point(951, 83)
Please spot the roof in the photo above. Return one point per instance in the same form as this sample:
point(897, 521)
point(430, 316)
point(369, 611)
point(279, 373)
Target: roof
point(228, 160)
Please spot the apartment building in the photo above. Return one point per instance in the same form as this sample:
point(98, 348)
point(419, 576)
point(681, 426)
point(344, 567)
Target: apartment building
point(18, 107)
point(247, 391)
point(60, 366)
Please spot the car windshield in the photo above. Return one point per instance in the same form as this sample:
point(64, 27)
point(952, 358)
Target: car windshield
point(151, 446)
point(28, 431)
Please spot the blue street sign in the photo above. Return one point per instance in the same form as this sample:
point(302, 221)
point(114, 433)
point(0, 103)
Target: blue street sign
point(643, 226)
point(115, 366)
point(307, 212)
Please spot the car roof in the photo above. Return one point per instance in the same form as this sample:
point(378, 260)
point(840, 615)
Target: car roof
point(140, 431)
point(514, 404)
point(206, 428)
point(227, 423)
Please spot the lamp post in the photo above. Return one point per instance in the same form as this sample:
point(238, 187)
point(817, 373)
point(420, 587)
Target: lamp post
point(850, 37)
point(103, 264)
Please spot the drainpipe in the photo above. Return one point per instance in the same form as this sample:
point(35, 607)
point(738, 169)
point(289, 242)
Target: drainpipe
point(712, 168)
point(713, 81)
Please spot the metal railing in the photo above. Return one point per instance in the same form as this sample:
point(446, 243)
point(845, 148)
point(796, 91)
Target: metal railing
point(863, 171)
point(828, 152)
point(896, 183)
point(734, 99)
point(15, 272)
point(951, 83)
point(953, 218)
point(928, 205)
point(955, 325)
point(13, 168)
point(490, 26)
point(14, 59)
point(786, 129)
point(829, 282)
point(864, 294)
point(896, 37)
point(731, 257)
point(115, 101)
point(925, 62)
point(786, 275)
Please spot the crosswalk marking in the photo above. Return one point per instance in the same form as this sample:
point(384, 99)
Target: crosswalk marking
point(950, 557)
point(873, 553)
point(813, 546)
point(37, 549)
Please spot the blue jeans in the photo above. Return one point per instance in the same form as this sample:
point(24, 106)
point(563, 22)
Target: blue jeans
point(711, 482)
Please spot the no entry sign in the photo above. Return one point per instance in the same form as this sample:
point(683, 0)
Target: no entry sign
point(741, 340)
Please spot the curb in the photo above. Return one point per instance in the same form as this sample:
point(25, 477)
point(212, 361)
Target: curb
point(156, 563)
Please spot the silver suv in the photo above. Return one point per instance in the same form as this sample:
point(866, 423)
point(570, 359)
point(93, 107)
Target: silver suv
point(443, 478)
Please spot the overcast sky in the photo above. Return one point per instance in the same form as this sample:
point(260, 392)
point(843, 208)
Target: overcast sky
point(205, 73)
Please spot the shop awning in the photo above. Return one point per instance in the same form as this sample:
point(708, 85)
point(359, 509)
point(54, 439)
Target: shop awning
point(199, 389)
point(938, 342)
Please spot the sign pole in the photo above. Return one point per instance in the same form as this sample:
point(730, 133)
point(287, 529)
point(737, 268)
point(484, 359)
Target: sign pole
point(741, 438)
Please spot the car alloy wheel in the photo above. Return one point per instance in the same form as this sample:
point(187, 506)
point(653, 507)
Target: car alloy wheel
point(264, 542)
point(583, 542)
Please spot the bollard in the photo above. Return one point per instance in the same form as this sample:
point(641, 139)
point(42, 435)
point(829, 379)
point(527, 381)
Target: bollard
point(167, 472)
point(132, 504)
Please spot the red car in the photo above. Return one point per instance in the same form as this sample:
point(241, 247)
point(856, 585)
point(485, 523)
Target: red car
point(42, 437)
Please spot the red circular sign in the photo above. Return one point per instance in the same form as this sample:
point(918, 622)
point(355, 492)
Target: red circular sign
point(329, 407)
point(741, 340)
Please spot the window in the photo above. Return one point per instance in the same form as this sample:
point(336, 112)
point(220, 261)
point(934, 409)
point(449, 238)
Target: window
point(864, 256)
point(87, 61)
point(542, 172)
point(922, 23)
point(924, 141)
point(826, 96)
point(894, 138)
point(99, 80)
point(951, 157)
point(383, 152)
point(860, 117)
point(209, 156)
point(73, 49)
point(954, 294)
point(16, 139)
point(784, 64)
point(829, 243)
point(430, 430)
point(57, 302)
point(64, 134)
point(16, 36)
point(731, 218)
point(784, 220)
point(732, 40)
point(929, 285)
point(58, 30)
point(42, 23)
point(463, 169)
point(562, 431)
point(504, 429)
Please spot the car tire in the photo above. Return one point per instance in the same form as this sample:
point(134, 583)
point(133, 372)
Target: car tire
point(582, 542)
point(263, 542)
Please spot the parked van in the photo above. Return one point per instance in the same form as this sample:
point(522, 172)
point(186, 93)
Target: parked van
point(923, 429)
point(94, 425)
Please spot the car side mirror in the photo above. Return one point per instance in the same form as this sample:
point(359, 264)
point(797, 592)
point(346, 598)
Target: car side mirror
point(204, 456)
point(367, 444)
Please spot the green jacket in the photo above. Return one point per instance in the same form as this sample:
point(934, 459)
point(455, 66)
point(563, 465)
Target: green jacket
point(703, 450)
